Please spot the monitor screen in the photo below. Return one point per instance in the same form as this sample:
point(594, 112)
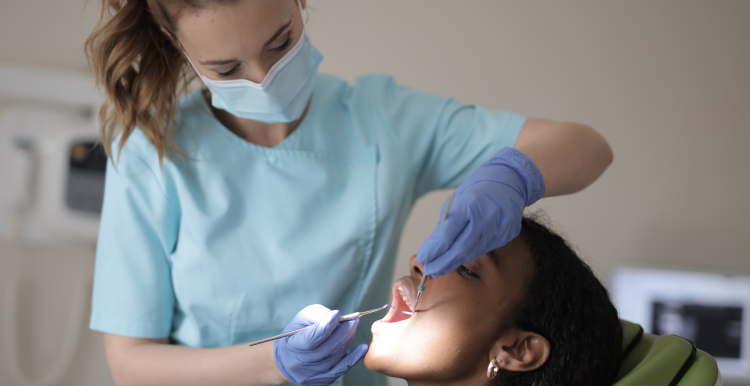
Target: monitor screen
point(709, 309)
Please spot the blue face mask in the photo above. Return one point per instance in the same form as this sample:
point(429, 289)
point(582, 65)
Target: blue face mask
point(283, 94)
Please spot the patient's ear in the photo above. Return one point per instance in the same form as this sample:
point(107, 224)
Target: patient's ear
point(520, 351)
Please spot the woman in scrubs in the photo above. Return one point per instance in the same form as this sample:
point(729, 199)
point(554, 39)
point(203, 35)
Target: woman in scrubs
point(275, 197)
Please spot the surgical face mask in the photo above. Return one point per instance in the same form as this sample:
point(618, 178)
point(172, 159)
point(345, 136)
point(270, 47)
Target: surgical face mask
point(283, 94)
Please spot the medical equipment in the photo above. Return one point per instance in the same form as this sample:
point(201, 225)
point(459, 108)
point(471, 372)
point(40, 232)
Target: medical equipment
point(421, 287)
point(49, 157)
point(53, 170)
point(708, 309)
point(342, 319)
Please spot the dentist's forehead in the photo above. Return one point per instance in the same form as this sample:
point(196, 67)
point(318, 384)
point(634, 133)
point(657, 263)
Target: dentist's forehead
point(237, 26)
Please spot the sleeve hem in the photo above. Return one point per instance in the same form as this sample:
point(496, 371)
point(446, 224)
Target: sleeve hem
point(516, 122)
point(134, 328)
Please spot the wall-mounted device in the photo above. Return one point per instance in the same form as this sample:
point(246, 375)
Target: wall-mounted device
point(53, 166)
point(709, 309)
point(51, 189)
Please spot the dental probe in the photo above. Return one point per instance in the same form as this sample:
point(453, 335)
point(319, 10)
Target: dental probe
point(342, 319)
point(421, 287)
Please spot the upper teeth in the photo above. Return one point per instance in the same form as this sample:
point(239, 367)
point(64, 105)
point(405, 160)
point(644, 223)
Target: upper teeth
point(404, 297)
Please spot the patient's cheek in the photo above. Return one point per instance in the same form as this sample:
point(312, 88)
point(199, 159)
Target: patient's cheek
point(437, 347)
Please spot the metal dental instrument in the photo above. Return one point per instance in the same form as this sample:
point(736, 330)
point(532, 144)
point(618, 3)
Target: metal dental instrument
point(342, 319)
point(421, 287)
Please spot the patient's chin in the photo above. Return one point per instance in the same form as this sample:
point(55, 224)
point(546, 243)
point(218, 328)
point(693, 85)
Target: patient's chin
point(382, 360)
point(397, 364)
point(391, 356)
point(385, 366)
point(376, 359)
point(374, 363)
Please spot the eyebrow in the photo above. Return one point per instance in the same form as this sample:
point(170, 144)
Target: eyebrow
point(271, 40)
point(278, 33)
point(218, 62)
point(494, 258)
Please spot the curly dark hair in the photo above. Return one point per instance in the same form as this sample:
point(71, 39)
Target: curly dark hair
point(566, 303)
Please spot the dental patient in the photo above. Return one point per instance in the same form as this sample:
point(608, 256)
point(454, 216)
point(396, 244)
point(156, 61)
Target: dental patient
point(528, 313)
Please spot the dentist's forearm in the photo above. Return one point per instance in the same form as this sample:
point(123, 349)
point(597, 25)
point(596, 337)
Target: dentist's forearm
point(145, 362)
point(570, 156)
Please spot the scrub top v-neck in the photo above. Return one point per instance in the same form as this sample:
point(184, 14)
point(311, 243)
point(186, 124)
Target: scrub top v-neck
point(228, 240)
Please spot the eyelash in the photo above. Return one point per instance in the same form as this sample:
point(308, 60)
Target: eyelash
point(285, 45)
point(277, 49)
point(230, 72)
point(467, 273)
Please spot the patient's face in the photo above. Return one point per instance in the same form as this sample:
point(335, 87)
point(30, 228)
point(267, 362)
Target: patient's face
point(459, 317)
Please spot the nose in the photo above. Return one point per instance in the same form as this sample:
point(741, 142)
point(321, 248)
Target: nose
point(416, 269)
point(259, 71)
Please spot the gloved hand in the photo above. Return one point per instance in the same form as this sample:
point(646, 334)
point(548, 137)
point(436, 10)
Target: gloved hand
point(486, 212)
point(318, 355)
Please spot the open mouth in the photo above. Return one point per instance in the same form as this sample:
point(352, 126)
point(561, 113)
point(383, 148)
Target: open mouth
point(401, 306)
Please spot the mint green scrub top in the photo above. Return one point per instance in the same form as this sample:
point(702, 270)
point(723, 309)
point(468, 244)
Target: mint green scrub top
point(228, 241)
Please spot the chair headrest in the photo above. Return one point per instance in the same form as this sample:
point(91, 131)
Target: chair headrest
point(666, 360)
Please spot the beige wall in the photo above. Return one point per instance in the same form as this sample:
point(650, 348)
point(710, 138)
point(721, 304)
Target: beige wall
point(667, 83)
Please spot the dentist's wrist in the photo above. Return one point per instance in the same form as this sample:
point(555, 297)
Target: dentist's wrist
point(532, 177)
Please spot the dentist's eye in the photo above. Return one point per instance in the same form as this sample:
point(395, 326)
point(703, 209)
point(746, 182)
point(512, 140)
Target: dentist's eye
point(467, 273)
point(284, 45)
point(228, 73)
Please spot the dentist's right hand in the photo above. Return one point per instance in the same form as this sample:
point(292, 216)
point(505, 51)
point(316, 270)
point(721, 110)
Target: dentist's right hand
point(319, 355)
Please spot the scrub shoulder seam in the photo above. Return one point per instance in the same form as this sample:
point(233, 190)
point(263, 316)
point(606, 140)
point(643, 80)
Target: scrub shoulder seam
point(153, 174)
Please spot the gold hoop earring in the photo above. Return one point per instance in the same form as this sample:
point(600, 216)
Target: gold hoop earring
point(492, 369)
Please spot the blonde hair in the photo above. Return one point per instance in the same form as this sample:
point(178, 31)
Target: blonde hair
point(134, 59)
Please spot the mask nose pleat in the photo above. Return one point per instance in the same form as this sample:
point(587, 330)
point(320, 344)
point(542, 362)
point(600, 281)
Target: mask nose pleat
point(287, 85)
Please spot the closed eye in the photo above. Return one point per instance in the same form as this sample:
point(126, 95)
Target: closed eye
point(228, 73)
point(284, 45)
point(467, 273)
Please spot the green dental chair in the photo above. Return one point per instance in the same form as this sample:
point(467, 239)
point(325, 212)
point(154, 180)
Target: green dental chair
point(667, 360)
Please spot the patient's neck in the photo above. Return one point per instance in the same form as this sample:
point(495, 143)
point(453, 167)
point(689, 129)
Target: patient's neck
point(474, 380)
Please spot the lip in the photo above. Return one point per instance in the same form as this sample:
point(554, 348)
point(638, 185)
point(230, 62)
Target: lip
point(395, 316)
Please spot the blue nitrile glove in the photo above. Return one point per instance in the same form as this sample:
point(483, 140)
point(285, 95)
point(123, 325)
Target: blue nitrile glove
point(486, 212)
point(320, 354)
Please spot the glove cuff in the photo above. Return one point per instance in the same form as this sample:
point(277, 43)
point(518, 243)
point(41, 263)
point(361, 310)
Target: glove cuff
point(526, 169)
point(279, 364)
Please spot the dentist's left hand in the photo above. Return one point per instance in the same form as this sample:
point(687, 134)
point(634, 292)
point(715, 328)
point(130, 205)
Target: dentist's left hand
point(486, 212)
point(318, 355)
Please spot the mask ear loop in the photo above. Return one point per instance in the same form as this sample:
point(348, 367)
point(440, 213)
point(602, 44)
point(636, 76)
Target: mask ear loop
point(302, 16)
point(190, 61)
point(174, 39)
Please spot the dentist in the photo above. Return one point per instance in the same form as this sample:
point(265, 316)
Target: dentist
point(231, 211)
